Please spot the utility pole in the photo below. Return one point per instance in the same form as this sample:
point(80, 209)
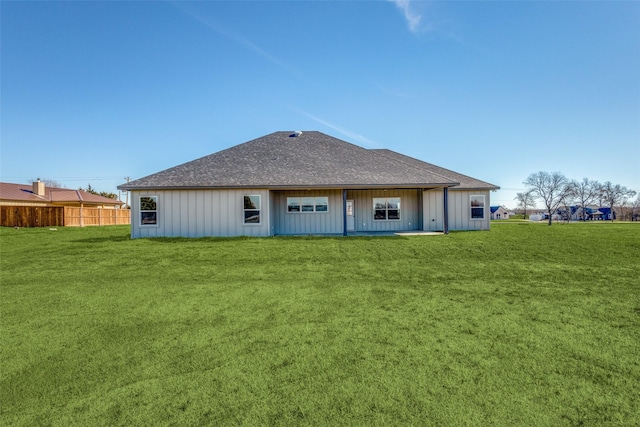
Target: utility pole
point(127, 202)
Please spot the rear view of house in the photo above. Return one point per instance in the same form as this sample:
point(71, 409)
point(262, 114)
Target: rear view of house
point(298, 183)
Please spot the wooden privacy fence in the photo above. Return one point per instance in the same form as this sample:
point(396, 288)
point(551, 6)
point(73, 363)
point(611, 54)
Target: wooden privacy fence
point(83, 217)
point(58, 216)
point(31, 216)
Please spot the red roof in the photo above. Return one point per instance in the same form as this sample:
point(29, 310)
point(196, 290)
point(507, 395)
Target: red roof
point(24, 193)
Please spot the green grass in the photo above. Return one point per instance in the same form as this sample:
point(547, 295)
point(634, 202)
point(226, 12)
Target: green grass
point(523, 325)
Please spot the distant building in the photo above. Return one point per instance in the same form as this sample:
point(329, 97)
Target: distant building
point(35, 205)
point(499, 212)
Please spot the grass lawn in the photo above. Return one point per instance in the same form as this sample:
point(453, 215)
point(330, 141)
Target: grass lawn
point(523, 325)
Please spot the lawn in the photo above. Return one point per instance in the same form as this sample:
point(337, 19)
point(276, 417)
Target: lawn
point(523, 325)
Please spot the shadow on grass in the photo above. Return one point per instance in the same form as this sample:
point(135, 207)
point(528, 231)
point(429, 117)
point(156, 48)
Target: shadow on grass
point(173, 240)
point(110, 239)
point(165, 240)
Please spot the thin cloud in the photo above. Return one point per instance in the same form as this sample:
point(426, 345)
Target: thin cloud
point(413, 17)
point(393, 92)
point(230, 34)
point(414, 12)
point(346, 132)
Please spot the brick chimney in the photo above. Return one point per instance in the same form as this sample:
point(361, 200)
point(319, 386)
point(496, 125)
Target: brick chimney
point(38, 188)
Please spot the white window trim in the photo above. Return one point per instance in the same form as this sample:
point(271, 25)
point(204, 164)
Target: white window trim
point(484, 207)
point(140, 211)
point(252, 224)
point(314, 211)
point(387, 209)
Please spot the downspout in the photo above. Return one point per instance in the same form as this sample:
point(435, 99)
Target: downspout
point(344, 213)
point(445, 193)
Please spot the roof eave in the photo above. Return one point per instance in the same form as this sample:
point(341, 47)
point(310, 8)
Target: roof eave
point(291, 186)
point(476, 188)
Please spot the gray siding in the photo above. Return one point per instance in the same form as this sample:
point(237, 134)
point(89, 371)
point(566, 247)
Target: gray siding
point(410, 218)
point(433, 203)
point(459, 210)
point(284, 222)
point(199, 213)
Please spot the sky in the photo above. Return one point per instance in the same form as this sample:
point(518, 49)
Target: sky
point(93, 92)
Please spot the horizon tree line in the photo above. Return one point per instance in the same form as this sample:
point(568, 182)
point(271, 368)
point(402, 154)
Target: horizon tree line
point(555, 190)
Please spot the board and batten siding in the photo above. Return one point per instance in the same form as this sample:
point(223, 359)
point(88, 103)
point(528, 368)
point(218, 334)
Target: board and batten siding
point(459, 210)
point(433, 205)
point(200, 213)
point(410, 215)
point(300, 223)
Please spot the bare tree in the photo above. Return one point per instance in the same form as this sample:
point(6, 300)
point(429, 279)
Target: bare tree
point(553, 189)
point(525, 201)
point(586, 192)
point(615, 195)
point(49, 183)
point(568, 200)
point(635, 209)
point(626, 210)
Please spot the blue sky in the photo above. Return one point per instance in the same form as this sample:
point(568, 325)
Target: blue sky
point(92, 92)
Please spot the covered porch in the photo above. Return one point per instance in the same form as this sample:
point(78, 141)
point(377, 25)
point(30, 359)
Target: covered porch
point(357, 211)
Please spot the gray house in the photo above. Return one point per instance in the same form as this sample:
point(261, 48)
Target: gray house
point(305, 183)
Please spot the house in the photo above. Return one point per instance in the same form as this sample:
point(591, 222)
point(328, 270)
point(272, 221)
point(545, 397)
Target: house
point(539, 216)
point(575, 213)
point(305, 183)
point(588, 213)
point(607, 213)
point(36, 205)
point(499, 212)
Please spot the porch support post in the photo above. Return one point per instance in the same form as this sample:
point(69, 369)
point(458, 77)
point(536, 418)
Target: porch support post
point(445, 193)
point(344, 213)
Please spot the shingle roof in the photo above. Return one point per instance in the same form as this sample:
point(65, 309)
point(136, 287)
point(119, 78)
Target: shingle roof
point(24, 193)
point(312, 159)
point(466, 182)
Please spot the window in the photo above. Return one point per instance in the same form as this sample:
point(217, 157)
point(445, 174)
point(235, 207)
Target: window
point(252, 209)
point(322, 204)
point(149, 210)
point(387, 208)
point(307, 204)
point(477, 207)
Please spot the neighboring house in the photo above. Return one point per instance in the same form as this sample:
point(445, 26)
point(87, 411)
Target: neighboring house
point(37, 205)
point(574, 213)
point(607, 213)
point(499, 212)
point(589, 213)
point(305, 183)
